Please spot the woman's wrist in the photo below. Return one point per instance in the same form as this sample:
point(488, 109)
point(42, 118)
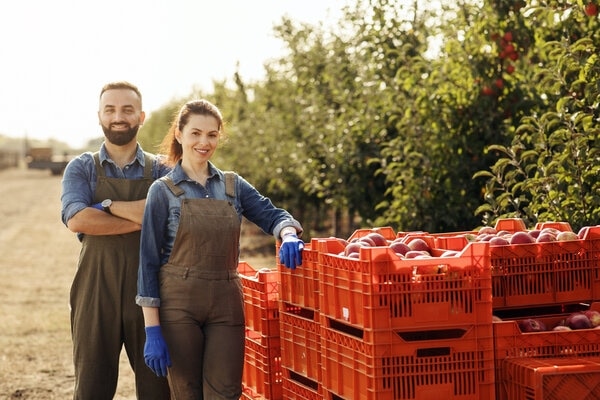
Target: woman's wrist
point(287, 231)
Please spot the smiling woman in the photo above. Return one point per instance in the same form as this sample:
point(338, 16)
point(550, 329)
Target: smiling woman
point(82, 45)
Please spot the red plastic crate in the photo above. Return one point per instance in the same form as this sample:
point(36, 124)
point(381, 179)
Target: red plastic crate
point(383, 291)
point(297, 387)
point(300, 286)
point(261, 298)
point(549, 273)
point(425, 365)
point(511, 343)
point(300, 341)
point(551, 379)
point(539, 273)
point(262, 374)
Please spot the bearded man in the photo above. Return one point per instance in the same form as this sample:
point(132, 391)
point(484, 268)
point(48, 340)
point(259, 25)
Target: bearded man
point(103, 199)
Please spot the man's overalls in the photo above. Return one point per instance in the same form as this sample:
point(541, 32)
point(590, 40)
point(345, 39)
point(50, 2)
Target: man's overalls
point(202, 304)
point(104, 316)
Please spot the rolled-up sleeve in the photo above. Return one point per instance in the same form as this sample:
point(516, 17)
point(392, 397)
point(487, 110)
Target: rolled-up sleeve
point(77, 192)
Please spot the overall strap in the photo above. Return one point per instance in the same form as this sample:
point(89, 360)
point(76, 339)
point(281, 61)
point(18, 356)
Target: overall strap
point(176, 190)
point(99, 169)
point(229, 183)
point(148, 164)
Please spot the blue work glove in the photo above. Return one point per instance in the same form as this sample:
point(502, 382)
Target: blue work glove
point(290, 252)
point(156, 354)
point(98, 206)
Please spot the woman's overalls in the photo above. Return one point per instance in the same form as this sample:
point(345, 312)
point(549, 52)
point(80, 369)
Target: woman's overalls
point(104, 316)
point(202, 305)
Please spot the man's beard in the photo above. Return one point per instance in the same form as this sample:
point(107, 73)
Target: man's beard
point(120, 138)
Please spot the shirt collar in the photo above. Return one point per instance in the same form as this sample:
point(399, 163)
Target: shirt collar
point(139, 155)
point(178, 174)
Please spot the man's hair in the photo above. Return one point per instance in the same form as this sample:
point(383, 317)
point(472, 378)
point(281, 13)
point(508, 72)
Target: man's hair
point(121, 85)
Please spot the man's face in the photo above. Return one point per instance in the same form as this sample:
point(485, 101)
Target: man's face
point(120, 115)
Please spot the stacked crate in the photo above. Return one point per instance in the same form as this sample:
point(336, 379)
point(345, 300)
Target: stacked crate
point(299, 327)
point(546, 281)
point(262, 376)
point(394, 328)
point(546, 365)
point(552, 378)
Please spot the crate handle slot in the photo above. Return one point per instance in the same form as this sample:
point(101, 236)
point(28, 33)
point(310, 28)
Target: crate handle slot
point(434, 352)
point(415, 336)
point(303, 380)
point(345, 328)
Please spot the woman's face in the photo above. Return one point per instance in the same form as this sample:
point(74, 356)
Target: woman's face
point(199, 138)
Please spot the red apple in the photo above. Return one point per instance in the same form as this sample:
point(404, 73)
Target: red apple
point(566, 235)
point(531, 325)
point(399, 247)
point(486, 237)
point(353, 247)
point(487, 230)
point(498, 241)
point(545, 237)
point(591, 10)
point(419, 244)
point(578, 320)
point(553, 231)
point(561, 328)
point(593, 316)
point(377, 238)
point(415, 253)
point(521, 237)
point(367, 241)
point(535, 233)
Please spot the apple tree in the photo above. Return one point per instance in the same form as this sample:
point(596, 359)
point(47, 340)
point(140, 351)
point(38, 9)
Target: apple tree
point(549, 169)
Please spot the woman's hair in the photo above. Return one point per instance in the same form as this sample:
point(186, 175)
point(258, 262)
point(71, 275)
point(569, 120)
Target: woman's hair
point(170, 147)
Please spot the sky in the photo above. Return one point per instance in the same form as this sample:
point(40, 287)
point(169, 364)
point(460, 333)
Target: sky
point(56, 55)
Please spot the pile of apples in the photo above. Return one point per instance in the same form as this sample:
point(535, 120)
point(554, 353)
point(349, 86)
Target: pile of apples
point(503, 238)
point(589, 319)
point(413, 247)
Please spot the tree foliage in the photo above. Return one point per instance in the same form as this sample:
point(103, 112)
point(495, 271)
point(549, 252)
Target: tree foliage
point(419, 117)
point(549, 170)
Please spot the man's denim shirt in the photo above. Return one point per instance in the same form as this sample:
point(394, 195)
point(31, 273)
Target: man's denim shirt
point(79, 179)
point(161, 220)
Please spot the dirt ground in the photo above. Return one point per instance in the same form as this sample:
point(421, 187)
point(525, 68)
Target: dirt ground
point(37, 262)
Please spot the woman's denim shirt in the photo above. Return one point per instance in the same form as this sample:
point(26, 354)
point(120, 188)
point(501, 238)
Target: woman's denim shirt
point(161, 220)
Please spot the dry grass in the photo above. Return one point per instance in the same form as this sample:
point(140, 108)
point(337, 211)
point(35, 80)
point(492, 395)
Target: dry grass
point(39, 257)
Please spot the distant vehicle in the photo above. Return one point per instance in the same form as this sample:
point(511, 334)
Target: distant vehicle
point(44, 158)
